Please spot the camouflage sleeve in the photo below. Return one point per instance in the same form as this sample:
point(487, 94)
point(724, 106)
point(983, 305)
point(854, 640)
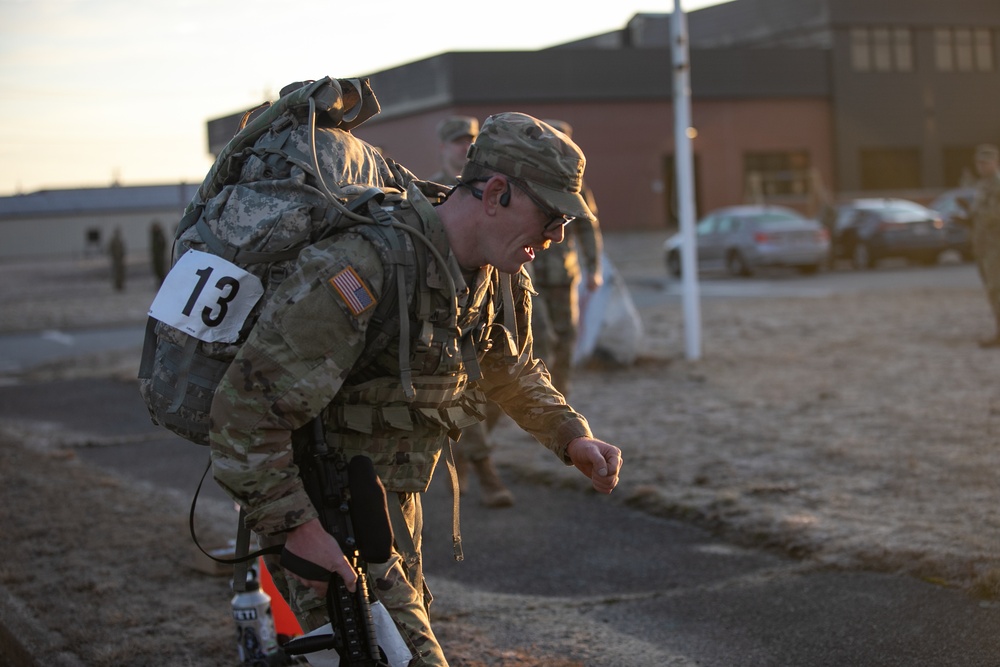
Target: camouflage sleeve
point(986, 205)
point(292, 365)
point(589, 236)
point(993, 199)
point(522, 385)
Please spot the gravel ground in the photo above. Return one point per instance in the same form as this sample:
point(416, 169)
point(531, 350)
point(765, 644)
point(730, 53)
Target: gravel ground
point(854, 430)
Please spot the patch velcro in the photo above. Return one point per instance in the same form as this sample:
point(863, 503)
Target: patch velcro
point(353, 290)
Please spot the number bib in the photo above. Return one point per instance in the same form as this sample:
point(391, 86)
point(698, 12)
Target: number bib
point(207, 297)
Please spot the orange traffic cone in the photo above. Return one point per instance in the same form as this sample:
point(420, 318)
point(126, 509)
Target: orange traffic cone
point(285, 622)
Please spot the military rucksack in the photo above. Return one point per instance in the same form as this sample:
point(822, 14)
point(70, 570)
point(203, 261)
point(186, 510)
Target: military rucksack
point(268, 195)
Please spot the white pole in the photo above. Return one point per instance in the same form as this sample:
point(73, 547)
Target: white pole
point(685, 182)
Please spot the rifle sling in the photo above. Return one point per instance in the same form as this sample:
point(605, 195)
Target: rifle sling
point(304, 568)
point(242, 555)
point(404, 542)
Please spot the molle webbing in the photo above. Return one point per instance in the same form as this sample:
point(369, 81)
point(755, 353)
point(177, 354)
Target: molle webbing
point(391, 320)
point(184, 387)
point(398, 257)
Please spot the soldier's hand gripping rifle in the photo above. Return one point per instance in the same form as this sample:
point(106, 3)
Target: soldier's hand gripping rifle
point(351, 503)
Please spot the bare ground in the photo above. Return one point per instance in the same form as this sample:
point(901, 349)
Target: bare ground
point(856, 431)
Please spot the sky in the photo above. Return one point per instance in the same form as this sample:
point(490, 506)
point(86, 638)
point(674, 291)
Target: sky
point(97, 92)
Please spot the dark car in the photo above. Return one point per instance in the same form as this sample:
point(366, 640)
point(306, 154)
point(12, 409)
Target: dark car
point(953, 205)
point(866, 231)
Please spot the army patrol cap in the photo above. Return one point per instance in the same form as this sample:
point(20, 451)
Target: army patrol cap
point(539, 157)
point(456, 127)
point(987, 152)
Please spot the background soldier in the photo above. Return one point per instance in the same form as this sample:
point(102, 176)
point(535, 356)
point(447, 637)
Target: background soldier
point(556, 274)
point(456, 134)
point(985, 213)
point(158, 251)
point(298, 364)
point(116, 248)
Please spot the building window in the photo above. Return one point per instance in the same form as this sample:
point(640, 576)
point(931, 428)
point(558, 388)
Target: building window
point(902, 49)
point(982, 42)
point(777, 173)
point(943, 52)
point(861, 53)
point(881, 49)
point(890, 169)
point(963, 50)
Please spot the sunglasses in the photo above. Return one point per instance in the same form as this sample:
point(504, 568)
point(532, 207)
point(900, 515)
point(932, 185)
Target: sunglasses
point(554, 217)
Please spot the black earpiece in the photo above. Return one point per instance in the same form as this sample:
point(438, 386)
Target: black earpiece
point(505, 197)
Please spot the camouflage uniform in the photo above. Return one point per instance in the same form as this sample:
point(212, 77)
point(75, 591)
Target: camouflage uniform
point(986, 239)
point(158, 251)
point(299, 362)
point(985, 218)
point(117, 251)
point(449, 130)
point(475, 446)
point(556, 274)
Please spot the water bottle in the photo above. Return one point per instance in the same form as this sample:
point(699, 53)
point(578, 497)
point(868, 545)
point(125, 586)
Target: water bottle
point(256, 636)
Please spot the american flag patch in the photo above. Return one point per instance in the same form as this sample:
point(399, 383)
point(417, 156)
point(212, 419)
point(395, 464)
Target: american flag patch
point(354, 292)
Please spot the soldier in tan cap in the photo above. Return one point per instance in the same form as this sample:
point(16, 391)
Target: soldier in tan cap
point(556, 274)
point(475, 450)
point(985, 215)
point(521, 185)
point(455, 133)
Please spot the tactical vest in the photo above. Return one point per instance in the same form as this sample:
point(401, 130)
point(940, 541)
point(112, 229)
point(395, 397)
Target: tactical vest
point(402, 417)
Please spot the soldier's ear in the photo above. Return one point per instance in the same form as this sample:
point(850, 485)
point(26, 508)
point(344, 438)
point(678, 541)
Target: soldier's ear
point(496, 193)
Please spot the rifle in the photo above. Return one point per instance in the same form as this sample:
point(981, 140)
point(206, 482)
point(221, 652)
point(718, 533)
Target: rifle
point(350, 500)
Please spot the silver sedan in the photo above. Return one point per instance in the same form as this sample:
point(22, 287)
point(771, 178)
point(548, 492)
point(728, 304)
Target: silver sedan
point(741, 239)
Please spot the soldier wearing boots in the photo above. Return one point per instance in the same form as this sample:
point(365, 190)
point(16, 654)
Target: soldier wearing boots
point(556, 274)
point(456, 134)
point(519, 187)
point(985, 214)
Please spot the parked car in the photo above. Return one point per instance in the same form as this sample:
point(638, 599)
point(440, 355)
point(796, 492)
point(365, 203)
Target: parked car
point(866, 231)
point(953, 206)
point(741, 239)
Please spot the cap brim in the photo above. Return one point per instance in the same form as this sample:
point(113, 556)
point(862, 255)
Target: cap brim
point(567, 203)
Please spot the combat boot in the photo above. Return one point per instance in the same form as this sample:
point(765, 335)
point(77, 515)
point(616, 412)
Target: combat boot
point(495, 494)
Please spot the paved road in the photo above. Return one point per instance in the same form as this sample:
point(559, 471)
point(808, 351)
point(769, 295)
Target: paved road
point(668, 593)
point(22, 351)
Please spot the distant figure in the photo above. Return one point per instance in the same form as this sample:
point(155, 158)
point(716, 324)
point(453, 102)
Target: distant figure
point(556, 275)
point(985, 214)
point(116, 248)
point(158, 251)
point(455, 133)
